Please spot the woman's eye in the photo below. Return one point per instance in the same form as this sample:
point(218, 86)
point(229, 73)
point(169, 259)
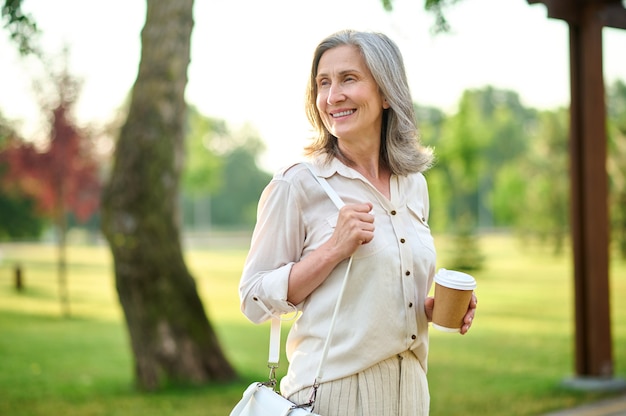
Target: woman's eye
point(323, 83)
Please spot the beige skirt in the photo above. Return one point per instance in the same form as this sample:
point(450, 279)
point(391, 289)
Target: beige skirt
point(394, 387)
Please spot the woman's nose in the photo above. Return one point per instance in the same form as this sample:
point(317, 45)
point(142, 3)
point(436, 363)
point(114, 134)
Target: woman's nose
point(335, 95)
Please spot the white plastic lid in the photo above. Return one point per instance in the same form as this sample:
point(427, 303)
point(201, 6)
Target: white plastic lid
point(455, 280)
point(446, 329)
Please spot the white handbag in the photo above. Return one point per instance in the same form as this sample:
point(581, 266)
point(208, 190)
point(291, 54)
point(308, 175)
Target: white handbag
point(261, 399)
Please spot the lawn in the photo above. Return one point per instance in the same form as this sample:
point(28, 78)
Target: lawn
point(512, 362)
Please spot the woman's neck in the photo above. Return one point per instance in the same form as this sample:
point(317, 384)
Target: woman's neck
point(369, 165)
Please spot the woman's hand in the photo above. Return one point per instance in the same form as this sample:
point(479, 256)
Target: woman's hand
point(355, 226)
point(469, 316)
point(429, 304)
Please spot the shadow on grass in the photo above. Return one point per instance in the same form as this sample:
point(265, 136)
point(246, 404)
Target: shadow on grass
point(28, 292)
point(81, 366)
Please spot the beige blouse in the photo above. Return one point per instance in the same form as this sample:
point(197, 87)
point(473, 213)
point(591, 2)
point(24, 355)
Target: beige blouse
point(382, 311)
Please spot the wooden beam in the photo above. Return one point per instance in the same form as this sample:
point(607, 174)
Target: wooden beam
point(613, 15)
point(610, 12)
point(560, 9)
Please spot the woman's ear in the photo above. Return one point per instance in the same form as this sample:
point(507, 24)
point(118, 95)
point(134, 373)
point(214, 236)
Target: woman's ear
point(385, 103)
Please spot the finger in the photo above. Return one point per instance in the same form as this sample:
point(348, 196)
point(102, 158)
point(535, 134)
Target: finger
point(364, 216)
point(468, 319)
point(365, 208)
point(367, 236)
point(473, 300)
point(467, 325)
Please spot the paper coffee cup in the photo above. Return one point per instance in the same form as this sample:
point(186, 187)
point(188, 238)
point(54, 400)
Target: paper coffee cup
point(453, 293)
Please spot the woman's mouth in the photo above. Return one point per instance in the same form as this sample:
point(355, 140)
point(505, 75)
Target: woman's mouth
point(342, 113)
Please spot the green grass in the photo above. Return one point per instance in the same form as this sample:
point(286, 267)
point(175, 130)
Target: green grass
point(512, 362)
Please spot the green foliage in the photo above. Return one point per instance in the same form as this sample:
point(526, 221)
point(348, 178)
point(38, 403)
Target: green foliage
point(222, 181)
point(472, 147)
point(235, 203)
point(485, 134)
point(507, 196)
point(22, 28)
point(616, 163)
point(545, 202)
point(202, 172)
point(18, 218)
point(436, 7)
point(500, 164)
point(430, 122)
point(511, 362)
point(466, 254)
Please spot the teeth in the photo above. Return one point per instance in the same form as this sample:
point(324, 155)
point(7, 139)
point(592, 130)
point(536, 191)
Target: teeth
point(343, 113)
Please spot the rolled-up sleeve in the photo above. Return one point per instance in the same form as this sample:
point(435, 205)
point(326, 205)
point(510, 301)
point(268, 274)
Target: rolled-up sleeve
point(277, 243)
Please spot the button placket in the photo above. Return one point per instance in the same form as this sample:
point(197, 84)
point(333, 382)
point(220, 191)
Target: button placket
point(398, 221)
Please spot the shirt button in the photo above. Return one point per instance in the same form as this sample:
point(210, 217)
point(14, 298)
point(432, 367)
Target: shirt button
point(410, 304)
point(413, 336)
point(402, 240)
point(407, 273)
point(393, 212)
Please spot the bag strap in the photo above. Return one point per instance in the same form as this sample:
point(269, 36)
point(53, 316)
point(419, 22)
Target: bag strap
point(332, 194)
point(274, 351)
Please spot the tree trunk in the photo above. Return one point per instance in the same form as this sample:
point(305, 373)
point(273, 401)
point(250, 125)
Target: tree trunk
point(64, 293)
point(171, 336)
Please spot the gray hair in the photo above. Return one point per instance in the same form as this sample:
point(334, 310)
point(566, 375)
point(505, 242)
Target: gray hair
point(401, 150)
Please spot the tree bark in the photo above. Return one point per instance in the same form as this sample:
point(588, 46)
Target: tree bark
point(171, 336)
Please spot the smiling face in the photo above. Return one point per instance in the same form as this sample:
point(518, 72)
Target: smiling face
point(348, 99)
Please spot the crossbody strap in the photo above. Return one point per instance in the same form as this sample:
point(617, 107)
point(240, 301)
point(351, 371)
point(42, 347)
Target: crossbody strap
point(332, 194)
point(274, 352)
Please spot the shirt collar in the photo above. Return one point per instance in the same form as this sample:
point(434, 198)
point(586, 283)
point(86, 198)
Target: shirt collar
point(335, 166)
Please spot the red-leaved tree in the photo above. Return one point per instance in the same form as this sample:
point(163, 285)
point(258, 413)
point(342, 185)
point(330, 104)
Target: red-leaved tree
point(62, 176)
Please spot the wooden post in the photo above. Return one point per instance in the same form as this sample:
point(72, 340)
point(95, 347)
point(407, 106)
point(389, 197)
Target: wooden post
point(589, 195)
point(19, 278)
point(589, 183)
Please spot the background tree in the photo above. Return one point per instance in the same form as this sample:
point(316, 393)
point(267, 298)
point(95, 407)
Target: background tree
point(222, 181)
point(202, 174)
point(545, 168)
point(436, 7)
point(170, 333)
point(617, 163)
point(21, 27)
point(460, 161)
point(431, 122)
point(472, 146)
point(62, 173)
point(234, 203)
point(18, 215)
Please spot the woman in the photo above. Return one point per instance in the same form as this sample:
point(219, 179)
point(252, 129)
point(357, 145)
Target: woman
point(367, 148)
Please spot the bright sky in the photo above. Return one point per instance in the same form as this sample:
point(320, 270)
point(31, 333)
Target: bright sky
point(250, 58)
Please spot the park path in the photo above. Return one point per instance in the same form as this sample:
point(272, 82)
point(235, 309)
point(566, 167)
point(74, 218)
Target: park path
point(609, 407)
